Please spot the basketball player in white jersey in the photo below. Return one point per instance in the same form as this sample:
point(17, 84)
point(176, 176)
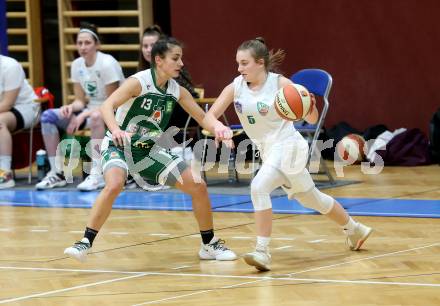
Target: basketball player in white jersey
point(17, 111)
point(283, 150)
point(95, 76)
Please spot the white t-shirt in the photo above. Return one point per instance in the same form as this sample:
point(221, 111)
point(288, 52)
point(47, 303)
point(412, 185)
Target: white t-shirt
point(12, 76)
point(105, 70)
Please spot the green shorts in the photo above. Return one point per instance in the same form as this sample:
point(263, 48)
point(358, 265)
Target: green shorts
point(153, 164)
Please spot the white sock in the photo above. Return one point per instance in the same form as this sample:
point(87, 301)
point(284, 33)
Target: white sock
point(53, 167)
point(5, 162)
point(350, 226)
point(96, 168)
point(262, 243)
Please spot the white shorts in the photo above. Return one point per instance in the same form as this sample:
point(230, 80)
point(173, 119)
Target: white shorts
point(290, 157)
point(29, 112)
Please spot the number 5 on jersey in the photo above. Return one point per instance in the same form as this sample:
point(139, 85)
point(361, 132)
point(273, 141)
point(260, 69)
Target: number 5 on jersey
point(251, 119)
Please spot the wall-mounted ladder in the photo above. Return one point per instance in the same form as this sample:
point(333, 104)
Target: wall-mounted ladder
point(24, 37)
point(122, 40)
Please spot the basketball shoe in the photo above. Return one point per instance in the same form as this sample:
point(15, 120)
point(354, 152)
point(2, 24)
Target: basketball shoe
point(52, 180)
point(260, 259)
point(92, 182)
point(79, 250)
point(357, 237)
point(217, 250)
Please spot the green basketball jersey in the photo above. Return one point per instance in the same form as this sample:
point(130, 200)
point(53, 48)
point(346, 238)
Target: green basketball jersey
point(148, 114)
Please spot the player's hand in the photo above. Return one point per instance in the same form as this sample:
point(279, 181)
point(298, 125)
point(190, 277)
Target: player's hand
point(74, 125)
point(224, 134)
point(229, 143)
point(120, 138)
point(66, 111)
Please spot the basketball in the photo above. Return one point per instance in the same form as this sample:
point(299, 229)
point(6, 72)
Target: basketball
point(293, 102)
point(351, 148)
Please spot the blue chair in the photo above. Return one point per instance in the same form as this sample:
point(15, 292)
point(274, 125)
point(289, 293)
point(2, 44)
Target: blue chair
point(318, 82)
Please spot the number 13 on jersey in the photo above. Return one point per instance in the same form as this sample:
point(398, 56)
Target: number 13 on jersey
point(146, 104)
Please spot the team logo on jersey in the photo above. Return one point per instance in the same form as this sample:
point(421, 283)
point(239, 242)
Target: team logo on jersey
point(157, 115)
point(91, 88)
point(238, 107)
point(263, 109)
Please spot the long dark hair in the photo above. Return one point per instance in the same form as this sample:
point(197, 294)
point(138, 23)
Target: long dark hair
point(153, 30)
point(163, 45)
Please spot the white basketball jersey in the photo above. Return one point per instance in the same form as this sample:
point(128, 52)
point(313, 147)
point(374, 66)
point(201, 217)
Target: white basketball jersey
point(106, 70)
point(257, 114)
point(12, 76)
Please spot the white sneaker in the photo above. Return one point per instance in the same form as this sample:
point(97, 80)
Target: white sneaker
point(217, 250)
point(92, 182)
point(358, 236)
point(259, 259)
point(51, 180)
point(79, 250)
point(158, 187)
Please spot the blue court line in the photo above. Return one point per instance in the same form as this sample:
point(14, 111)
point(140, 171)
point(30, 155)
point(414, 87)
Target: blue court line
point(220, 202)
point(126, 200)
point(356, 207)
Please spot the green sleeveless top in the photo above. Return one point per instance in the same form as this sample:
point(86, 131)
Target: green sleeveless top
point(147, 115)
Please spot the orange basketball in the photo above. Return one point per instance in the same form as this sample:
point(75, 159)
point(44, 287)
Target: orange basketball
point(351, 148)
point(293, 102)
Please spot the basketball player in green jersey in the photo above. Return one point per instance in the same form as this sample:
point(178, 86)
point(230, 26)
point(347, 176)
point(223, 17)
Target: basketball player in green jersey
point(144, 104)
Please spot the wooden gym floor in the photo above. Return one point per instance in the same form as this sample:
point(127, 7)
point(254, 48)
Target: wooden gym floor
point(148, 255)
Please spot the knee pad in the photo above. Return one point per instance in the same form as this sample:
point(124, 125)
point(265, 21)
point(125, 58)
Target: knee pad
point(48, 128)
point(260, 197)
point(316, 200)
point(49, 116)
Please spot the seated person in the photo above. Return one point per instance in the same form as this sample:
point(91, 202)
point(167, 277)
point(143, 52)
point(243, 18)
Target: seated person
point(95, 76)
point(17, 111)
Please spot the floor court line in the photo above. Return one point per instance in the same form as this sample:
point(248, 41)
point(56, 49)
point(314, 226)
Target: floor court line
point(192, 293)
point(366, 258)
point(217, 275)
point(255, 278)
point(26, 297)
point(309, 280)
